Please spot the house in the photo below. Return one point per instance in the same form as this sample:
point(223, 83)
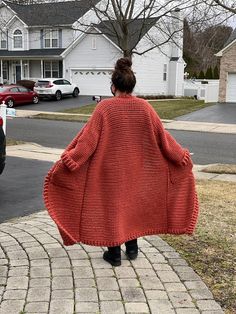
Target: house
point(227, 87)
point(41, 40)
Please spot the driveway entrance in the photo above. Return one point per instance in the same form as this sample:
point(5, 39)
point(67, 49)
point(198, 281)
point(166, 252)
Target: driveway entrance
point(219, 113)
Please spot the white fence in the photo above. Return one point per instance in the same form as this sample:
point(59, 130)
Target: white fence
point(207, 90)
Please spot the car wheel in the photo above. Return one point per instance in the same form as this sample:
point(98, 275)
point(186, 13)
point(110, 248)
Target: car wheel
point(35, 99)
point(10, 103)
point(75, 92)
point(58, 95)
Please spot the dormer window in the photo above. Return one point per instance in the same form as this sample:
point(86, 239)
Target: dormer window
point(17, 39)
point(51, 38)
point(3, 40)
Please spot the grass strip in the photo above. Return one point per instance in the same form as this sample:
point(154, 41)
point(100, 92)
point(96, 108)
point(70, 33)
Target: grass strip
point(221, 169)
point(61, 117)
point(11, 141)
point(211, 251)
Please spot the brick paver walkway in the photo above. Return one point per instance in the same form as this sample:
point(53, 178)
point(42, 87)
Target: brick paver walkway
point(39, 275)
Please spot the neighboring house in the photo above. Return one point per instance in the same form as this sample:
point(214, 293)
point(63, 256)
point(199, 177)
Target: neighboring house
point(40, 41)
point(227, 88)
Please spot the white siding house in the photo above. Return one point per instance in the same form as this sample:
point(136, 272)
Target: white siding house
point(42, 44)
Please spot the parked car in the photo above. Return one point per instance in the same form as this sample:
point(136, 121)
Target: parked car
point(2, 147)
point(55, 88)
point(17, 95)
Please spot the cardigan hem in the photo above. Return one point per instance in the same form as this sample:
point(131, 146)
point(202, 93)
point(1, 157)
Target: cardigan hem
point(130, 237)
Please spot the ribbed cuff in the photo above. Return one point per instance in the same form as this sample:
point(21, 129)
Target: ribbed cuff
point(69, 162)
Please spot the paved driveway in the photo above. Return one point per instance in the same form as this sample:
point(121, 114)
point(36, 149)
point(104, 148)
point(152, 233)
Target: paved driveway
point(53, 105)
point(219, 113)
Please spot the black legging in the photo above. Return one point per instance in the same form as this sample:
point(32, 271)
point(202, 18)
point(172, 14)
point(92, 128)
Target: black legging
point(132, 244)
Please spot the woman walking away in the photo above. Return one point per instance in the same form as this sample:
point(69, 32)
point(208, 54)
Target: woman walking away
point(122, 177)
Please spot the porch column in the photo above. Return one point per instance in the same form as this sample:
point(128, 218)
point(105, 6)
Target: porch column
point(22, 70)
point(1, 73)
point(41, 68)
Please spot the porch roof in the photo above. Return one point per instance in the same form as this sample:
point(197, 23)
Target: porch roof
point(32, 53)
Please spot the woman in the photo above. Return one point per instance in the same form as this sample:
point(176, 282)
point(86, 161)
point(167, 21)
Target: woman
point(122, 177)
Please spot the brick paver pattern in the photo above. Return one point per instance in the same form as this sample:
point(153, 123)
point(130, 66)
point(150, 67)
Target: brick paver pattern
point(40, 275)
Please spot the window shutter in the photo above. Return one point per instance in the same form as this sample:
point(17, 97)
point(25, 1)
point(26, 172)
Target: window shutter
point(41, 39)
point(60, 69)
point(60, 38)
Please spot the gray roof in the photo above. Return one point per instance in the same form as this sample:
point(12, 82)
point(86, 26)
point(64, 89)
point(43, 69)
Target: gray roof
point(231, 38)
point(57, 13)
point(137, 29)
point(40, 53)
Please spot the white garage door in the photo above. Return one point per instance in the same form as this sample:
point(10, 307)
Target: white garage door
point(231, 88)
point(92, 82)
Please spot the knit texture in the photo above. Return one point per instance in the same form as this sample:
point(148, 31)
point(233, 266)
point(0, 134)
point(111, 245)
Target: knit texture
point(122, 177)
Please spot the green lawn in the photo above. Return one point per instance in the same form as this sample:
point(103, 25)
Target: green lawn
point(168, 109)
point(211, 251)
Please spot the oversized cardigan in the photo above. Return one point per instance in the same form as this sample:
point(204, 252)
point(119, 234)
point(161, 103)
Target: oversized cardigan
point(122, 177)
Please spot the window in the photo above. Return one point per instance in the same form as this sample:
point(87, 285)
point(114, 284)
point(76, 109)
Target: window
point(65, 82)
point(5, 71)
point(17, 39)
point(14, 90)
point(51, 69)
point(165, 72)
point(23, 89)
point(51, 38)
point(3, 40)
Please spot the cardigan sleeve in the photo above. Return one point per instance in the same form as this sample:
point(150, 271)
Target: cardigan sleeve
point(83, 146)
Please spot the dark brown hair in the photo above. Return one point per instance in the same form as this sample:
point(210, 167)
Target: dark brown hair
point(123, 77)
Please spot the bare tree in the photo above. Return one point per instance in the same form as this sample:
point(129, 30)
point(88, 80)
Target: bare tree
point(127, 21)
point(228, 5)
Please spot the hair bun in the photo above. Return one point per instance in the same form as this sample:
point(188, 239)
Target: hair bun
point(123, 64)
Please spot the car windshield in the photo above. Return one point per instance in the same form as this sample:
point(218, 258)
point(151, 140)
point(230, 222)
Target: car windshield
point(3, 89)
point(43, 83)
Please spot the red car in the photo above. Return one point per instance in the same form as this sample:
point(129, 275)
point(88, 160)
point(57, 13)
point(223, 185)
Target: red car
point(17, 95)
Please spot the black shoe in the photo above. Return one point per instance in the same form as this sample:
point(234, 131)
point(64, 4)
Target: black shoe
point(132, 254)
point(113, 260)
point(132, 249)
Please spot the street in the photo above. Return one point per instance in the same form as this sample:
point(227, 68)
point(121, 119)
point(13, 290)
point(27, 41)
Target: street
point(208, 148)
point(21, 186)
point(21, 183)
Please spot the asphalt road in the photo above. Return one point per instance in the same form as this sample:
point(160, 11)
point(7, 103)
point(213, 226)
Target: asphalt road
point(21, 183)
point(21, 186)
point(208, 148)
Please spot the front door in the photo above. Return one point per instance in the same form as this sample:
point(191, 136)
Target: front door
point(18, 72)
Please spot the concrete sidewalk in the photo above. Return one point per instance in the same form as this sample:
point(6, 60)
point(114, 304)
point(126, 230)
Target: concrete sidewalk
point(169, 124)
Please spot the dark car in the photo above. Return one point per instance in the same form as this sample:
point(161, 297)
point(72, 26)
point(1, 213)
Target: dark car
point(2, 146)
point(17, 95)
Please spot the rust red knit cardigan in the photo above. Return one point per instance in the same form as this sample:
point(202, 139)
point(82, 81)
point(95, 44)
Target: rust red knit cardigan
point(122, 177)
